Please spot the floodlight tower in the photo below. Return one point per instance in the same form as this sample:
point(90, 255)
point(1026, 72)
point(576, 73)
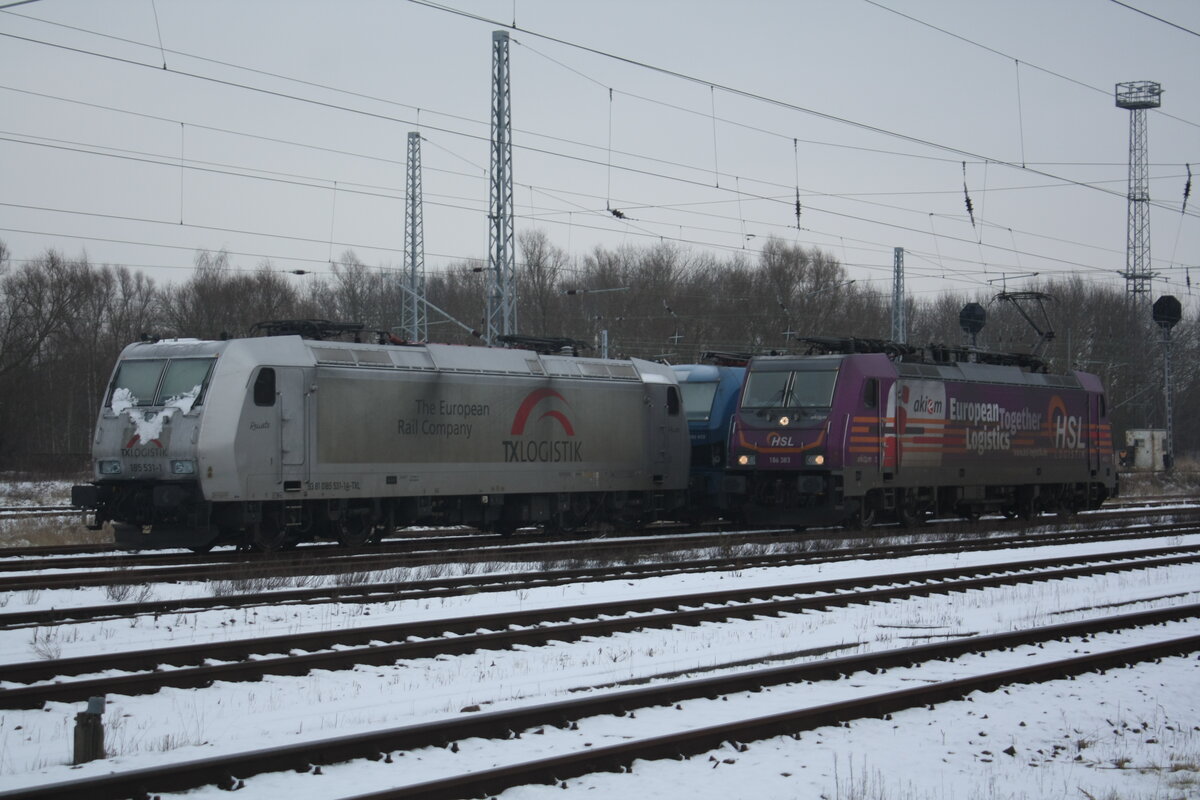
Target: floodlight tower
point(899, 314)
point(413, 318)
point(1137, 96)
point(502, 283)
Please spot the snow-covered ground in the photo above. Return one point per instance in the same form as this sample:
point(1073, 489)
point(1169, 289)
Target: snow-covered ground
point(1115, 735)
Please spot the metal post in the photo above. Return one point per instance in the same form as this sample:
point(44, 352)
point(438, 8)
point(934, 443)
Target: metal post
point(89, 732)
point(502, 288)
point(414, 318)
point(1168, 404)
point(899, 322)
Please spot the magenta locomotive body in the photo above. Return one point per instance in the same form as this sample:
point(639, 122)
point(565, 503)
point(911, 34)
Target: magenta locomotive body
point(854, 437)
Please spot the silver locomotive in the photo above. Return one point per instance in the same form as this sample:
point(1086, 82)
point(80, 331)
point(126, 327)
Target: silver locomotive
point(265, 442)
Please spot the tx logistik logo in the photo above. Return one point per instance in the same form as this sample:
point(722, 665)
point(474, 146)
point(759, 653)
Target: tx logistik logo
point(153, 448)
point(540, 450)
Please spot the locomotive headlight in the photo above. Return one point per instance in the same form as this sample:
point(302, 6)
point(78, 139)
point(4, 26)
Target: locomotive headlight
point(814, 460)
point(183, 467)
point(745, 461)
point(110, 467)
point(785, 421)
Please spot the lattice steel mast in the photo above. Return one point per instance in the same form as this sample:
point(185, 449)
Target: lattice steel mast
point(899, 313)
point(414, 319)
point(1136, 97)
point(502, 283)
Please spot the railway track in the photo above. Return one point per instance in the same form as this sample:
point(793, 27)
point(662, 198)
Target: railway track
point(32, 512)
point(466, 539)
point(297, 654)
point(408, 589)
point(51, 574)
point(232, 770)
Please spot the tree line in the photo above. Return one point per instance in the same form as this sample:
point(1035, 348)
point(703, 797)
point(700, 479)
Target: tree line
point(64, 321)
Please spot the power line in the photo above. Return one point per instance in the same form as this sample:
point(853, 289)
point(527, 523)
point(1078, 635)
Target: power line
point(1002, 54)
point(325, 183)
point(301, 181)
point(1158, 19)
point(542, 150)
point(682, 76)
point(747, 94)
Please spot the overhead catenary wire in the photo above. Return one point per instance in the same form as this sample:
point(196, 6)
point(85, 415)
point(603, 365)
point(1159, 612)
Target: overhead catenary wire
point(1174, 25)
point(737, 92)
point(738, 194)
point(324, 184)
point(1002, 54)
point(712, 87)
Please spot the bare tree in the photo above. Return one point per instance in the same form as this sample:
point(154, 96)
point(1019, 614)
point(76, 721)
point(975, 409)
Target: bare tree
point(539, 283)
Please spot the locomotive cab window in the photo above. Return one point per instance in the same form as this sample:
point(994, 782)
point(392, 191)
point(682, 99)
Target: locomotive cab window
point(185, 379)
point(804, 393)
point(264, 387)
point(698, 399)
point(156, 382)
point(672, 401)
point(871, 392)
point(135, 382)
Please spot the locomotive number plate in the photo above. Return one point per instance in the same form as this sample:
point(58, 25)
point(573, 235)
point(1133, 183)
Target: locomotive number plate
point(145, 469)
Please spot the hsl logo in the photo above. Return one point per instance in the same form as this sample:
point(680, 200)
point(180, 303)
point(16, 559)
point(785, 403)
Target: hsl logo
point(541, 450)
point(1068, 431)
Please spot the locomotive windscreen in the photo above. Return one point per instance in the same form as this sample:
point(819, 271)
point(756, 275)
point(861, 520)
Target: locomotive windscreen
point(801, 389)
point(698, 399)
point(150, 382)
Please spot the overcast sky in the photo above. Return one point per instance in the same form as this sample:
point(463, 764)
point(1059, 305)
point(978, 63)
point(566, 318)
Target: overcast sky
point(277, 130)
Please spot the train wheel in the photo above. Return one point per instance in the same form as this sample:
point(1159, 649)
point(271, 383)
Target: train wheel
point(268, 535)
point(1027, 508)
point(909, 513)
point(862, 517)
point(355, 530)
point(503, 527)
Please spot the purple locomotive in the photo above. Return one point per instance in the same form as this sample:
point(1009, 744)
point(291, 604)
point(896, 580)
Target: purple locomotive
point(873, 430)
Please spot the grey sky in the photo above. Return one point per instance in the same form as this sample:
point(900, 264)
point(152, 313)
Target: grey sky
point(190, 158)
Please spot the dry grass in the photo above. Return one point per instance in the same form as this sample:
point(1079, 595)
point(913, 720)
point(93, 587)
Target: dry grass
point(1184, 479)
point(43, 531)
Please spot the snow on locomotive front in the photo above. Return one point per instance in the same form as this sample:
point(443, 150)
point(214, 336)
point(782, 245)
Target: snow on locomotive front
point(144, 453)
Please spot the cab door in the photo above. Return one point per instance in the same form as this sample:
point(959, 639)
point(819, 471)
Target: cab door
point(292, 393)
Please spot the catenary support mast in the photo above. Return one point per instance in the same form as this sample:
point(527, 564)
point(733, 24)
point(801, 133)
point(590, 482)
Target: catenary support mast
point(1136, 97)
point(414, 318)
point(899, 313)
point(502, 284)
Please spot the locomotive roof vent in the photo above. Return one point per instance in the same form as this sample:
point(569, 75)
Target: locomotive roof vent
point(308, 328)
point(545, 345)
